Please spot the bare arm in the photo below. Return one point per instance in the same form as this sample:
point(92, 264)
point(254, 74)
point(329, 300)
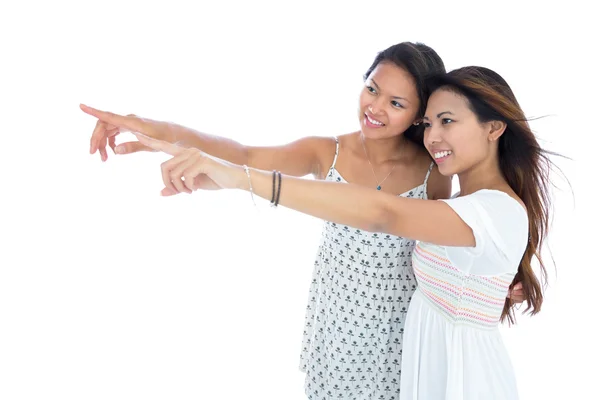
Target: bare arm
point(364, 208)
point(217, 146)
point(299, 158)
point(428, 220)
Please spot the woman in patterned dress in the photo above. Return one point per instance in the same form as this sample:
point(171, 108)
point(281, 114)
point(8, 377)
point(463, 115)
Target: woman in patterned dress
point(362, 280)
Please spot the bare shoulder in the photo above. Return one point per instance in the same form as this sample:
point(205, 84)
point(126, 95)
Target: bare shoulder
point(326, 149)
point(438, 186)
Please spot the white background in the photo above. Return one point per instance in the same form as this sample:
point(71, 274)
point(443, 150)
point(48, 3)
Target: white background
point(108, 291)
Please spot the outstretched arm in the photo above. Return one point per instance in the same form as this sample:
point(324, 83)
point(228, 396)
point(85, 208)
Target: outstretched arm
point(299, 158)
point(353, 205)
point(427, 220)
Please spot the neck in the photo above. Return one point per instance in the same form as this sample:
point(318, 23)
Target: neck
point(381, 151)
point(483, 176)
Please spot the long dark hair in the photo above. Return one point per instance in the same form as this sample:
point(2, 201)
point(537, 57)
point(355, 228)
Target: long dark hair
point(524, 164)
point(421, 62)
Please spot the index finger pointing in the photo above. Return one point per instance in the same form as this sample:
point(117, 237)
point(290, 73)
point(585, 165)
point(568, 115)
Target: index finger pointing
point(111, 118)
point(105, 116)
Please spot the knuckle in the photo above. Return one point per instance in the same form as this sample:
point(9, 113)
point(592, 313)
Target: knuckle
point(189, 178)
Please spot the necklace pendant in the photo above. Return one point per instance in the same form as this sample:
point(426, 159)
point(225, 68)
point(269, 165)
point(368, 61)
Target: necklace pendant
point(379, 187)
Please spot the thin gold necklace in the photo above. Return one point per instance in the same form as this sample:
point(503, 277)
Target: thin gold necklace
point(362, 140)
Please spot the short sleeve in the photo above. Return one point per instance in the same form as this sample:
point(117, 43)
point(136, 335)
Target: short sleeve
point(501, 229)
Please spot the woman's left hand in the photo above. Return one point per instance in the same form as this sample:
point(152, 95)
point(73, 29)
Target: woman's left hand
point(516, 293)
point(191, 169)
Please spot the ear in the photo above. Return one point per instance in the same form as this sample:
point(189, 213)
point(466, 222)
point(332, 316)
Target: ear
point(497, 128)
point(417, 121)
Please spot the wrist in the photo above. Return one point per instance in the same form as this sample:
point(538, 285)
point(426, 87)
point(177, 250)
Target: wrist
point(235, 176)
point(172, 133)
point(244, 177)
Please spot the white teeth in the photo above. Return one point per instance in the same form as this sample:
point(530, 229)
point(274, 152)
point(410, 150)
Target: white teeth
point(441, 154)
point(374, 122)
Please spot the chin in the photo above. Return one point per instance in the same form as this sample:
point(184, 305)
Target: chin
point(375, 133)
point(369, 134)
point(446, 170)
point(378, 135)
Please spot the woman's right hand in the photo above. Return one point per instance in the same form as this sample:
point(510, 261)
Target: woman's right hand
point(109, 125)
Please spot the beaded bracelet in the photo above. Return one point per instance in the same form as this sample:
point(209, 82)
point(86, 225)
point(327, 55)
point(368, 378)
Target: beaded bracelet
point(250, 184)
point(273, 193)
point(278, 188)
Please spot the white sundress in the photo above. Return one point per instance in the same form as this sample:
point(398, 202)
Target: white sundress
point(453, 349)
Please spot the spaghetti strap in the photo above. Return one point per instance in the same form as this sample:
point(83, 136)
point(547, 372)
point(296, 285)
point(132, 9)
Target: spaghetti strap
point(429, 172)
point(337, 149)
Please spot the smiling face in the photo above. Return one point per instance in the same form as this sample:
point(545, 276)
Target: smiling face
point(455, 137)
point(389, 102)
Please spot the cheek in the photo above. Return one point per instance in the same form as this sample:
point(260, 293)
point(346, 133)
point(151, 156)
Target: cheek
point(401, 118)
point(472, 149)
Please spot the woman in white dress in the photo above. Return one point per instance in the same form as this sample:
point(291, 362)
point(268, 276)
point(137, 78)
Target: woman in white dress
point(471, 247)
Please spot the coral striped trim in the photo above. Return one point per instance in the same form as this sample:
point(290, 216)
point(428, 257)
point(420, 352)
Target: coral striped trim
point(462, 298)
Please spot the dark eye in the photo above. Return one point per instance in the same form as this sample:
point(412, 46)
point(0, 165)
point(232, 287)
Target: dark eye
point(446, 121)
point(396, 104)
point(426, 124)
point(371, 89)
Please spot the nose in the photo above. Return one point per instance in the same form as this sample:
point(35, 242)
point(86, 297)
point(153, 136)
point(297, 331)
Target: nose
point(376, 106)
point(433, 135)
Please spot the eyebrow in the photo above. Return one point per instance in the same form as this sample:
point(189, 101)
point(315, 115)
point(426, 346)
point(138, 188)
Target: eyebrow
point(439, 115)
point(393, 97)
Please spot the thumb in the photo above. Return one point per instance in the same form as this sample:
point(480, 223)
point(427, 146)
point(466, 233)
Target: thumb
point(132, 147)
point(167, 192)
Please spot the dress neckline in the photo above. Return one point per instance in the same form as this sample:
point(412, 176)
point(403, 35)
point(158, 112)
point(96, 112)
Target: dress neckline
point(398, 195)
